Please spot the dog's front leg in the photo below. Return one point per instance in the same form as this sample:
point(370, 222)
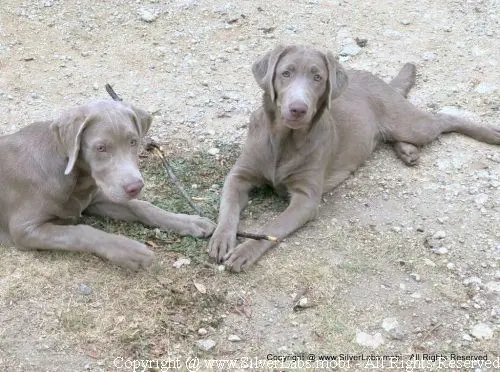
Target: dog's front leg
point(150, 215)
point(301, 209)
point(118, 249)
point(234, 199)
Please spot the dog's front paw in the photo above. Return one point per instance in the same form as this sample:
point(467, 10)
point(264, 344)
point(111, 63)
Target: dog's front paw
point(199, 227)
point(244, 255)
point(222, 241)
point(130, 255)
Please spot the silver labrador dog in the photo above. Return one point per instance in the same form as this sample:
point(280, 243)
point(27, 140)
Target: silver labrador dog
point(318, 124)
point(84, 161)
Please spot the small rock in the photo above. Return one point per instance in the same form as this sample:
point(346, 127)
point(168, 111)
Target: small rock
point(234, 338)
point(416, 295)
point(389, 324)
point(450, 266)
point(365, 339)
point(202, 331)
point(455, 111)
point(481, 199)
point(439, 235)
point(85, 54)
point(84, 289)
point(415, 276)
point(485, 88)
point(405, 22)
point(482, 331)
point(493, 286)
point(396, 228)
point(148, 15)
point(429, 56)
point(440, 250)
point(205, 345)
point(95, 86)
point(466, 337)
point(429, 262)
point(473, 280)
point(213, 151)
point(361, 42)
point(181, 262)
point(303, 302)
point(350, 50)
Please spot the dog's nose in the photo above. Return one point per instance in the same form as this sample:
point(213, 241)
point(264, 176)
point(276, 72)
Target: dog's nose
point(298, 109)
point(134, 188)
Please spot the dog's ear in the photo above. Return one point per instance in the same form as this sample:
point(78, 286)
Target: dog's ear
point(68, 130)
point(263, 70)
point(142, 120)
point(337, 78)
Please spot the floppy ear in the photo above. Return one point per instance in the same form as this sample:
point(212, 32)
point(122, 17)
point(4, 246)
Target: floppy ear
point(142, 120)
point(263, 69)
point(337, 78)
point(68, 130)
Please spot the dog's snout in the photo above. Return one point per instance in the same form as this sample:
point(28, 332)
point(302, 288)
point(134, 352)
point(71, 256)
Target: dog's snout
point(298, 109)
point(134, 188)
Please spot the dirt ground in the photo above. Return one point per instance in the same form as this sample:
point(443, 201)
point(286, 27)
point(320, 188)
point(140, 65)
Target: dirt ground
point(400, 260)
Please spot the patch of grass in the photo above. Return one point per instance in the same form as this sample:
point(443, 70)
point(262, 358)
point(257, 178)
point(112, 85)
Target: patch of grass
point(202, 176)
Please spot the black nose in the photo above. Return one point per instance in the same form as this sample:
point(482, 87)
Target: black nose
point(134, 188)
point(298, 109)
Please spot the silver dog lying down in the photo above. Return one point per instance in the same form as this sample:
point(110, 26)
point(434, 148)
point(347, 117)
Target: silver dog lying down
point(317, 125)
point(86, 160)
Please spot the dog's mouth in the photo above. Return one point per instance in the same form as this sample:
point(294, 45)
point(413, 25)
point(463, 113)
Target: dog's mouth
point(295, 123)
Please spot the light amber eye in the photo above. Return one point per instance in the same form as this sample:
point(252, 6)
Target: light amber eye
point(317, 77)
point(285, 74)
point(133, 142)
point(101, 148)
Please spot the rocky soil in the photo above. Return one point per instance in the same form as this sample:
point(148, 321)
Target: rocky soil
point(400, 260)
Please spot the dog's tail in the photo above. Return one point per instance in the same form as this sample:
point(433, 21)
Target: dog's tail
point(487, 134)
point(405, 79)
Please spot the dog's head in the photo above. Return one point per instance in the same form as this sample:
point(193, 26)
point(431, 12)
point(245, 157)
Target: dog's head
point(300, 81)
point(103, 139)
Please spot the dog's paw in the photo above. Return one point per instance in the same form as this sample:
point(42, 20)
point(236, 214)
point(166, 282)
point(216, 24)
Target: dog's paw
point(130, 255)
point(244, 256)
point(222, 241)
point(407, 152)
point(199, 227)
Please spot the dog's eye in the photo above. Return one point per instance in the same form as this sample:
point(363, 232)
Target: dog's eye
point(285, 74)
point(317, 77)
point(101, 148)
point(133, 142)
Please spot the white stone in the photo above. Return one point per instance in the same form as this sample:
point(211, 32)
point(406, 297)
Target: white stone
point(482, 331)
point(234, 338)
point(365, 339)
point(181, 262)
point(205, 345)
point(213, 151)
point(389, 324)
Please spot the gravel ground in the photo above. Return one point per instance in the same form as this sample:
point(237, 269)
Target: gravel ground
point(401, 260)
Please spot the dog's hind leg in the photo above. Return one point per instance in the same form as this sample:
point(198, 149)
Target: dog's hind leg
point(402, 83)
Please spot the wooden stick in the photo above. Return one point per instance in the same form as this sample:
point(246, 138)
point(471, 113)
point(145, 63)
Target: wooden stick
point(112, 93)
point(152, 146)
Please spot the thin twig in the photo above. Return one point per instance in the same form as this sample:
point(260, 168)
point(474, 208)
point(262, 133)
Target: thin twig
point(258, 236)
point(112, 93)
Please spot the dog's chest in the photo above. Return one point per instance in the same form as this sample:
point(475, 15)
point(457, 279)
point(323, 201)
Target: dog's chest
point(81, 197)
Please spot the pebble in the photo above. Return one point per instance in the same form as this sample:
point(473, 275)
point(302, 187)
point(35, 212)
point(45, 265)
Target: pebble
point(389, 324)
point(181, 262)
point(234, 338)
point(95, 86)
point(148, 15)
point(493, 286)
point(350, 50)
point(213, 151)
point(473, 280)
point(202, 331)
point(439, 235)
point(416, 295)
point(450, 266)
point(481, 199)
point(429, 262)
point(415, 276)
point(485, 88)
point(429, 56)
point(440, 250)
point(205, 345)
point(365, 339)
point(405, 22)
point(482, 331)
point(84, 289)
point(455, 111)
point(466, 337)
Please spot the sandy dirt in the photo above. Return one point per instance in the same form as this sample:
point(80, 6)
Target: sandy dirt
point(400, 260)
